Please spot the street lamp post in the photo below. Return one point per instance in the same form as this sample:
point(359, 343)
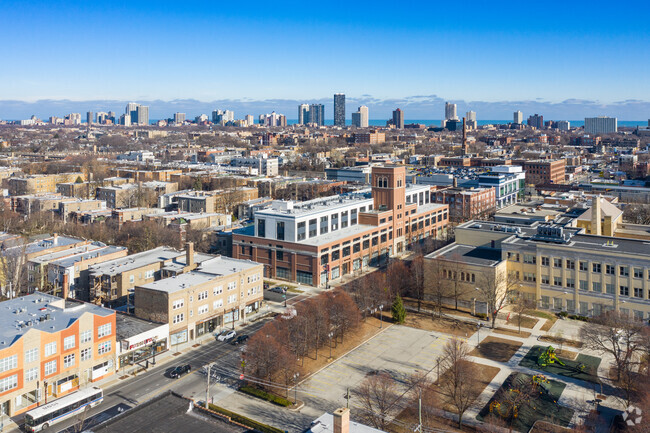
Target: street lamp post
point(234, 310)
point(478, 335)
point(330, 335)
point(295, 387)
point(381, 308)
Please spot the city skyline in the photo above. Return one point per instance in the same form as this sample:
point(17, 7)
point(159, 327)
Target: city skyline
point(488, 53)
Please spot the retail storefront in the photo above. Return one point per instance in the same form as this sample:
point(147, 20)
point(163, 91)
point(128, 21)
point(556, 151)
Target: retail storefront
point(142, 344)
point(208, 325)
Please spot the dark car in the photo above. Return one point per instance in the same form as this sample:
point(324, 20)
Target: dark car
point(179, 371)
point(277, 289)
point(239, 340)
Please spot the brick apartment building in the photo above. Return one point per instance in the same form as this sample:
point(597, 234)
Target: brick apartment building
point(466, 203)
point(321, 240)
point(543, 171)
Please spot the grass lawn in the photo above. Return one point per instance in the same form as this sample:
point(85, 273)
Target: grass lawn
point(526, 321)
point(366, 330)
point(539, 406)
point(443, 324)
point(497, 349)
point(589, 374)
point(550, 319)
point(513, 332)
point(557, 340)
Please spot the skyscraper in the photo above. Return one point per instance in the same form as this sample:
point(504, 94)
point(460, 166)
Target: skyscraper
point(398, 119)
point(339, 109)
point(471, 119)
point(360, 118)
point(317, 114)
point(303, 114)
point(143, 115)
point(89, 117)
point(536, 121)
point(132, 111)
point(450, 111)
point(179, 118)
point(518, 117)
point(601, 125)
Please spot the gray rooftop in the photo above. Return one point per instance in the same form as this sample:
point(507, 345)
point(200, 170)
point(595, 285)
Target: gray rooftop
point(209, 270)
point(18, 316)
point(468, 254)
point(46, 244)
point(134, 261)
point(129, 326)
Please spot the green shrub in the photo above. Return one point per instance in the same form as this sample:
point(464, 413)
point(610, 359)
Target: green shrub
point(563, 314)
point(398, 310)
point(579, 317)
point(255, 392)
point(244, 420)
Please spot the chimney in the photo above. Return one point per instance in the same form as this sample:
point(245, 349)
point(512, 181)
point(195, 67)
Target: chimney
point(189, 254)
point(342, 420)
point(66, 287)
point(455, 182)
point(595, 215)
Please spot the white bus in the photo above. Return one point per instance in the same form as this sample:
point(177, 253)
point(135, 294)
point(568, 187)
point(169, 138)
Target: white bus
point(63, 408)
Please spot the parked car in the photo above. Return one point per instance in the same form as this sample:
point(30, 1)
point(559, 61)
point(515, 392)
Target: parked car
point(239, 340)
point(179, 371)
point(227, 335)
point(277, 289)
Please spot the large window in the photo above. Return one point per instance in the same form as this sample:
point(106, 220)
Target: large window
point(323, 225)
point(353, 217)
point(103, 348)
point(69, 342)
point(31, 374)
point(313, 229)
point(344, 219)
point(31, 355)
point(304, 277)
point(336, 255)
point(8, 363)
point(86, 336)
point(104, 330)
point(50, 367)
point(302, 231)
point(50, 348)
point(202, 295)
point(179, 318)
point(10, 382)
point(68, 360)
point(261, 228)
point(335, 221)
point(279, 230)
point(86, 354)
point(283, 273)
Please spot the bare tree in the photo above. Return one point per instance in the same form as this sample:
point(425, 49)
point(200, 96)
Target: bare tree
point(619, 335)
point(496, 289)
point(378, 394)
point(417, 273)
point(436, 286)
point(521, 307)
point(13, 269)
point(457, 384)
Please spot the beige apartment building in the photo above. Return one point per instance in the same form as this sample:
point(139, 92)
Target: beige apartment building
point(40, 183)
point(217, 293)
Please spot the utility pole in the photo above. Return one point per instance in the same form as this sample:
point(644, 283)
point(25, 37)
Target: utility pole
point(207, 388)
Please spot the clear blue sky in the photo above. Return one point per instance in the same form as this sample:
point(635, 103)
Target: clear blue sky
point(476, 51)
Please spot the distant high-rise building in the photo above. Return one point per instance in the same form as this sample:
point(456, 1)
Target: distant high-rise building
point(470, 117)
point(125, 120)
point(398, 119)
point(132, 110)
point(102, 117)
point(518, 117)
point(339, 109)
point(360, 118)
point(143, 115)
point(72, 119)
point(112, 117)
point(317, 114)
point(201, 118)
point(303, 114)
point(450, 111)
point(536, 121)
point(250, 121)
point(179, 118)
point(89, 117)
point(601, 125)
point(563, 125)
point(273, 119)
point(222, 117)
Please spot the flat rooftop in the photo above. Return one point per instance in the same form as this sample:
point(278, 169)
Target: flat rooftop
point(168, 413)
point(129, 326)
point(19, 315)
point(209, 270)
point(46, 244)
point(135, 261)
point(468, 254)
